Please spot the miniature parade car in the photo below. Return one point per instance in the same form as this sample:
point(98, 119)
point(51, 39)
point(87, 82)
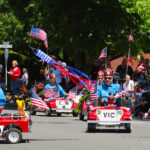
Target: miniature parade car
point(12, 126)
point(109, 116)
point(61, 106)
point(57, 106)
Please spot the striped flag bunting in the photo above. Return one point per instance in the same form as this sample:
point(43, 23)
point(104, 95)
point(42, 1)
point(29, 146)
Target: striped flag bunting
point(39, 103)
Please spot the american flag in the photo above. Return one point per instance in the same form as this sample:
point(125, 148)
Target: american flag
point(39, 34)
point(72, 94)
point(93, 95)
point(51, 92)
point(103, 53)
point(122, 93)
point(1, 108)
point(39, 103)
point(131, 37)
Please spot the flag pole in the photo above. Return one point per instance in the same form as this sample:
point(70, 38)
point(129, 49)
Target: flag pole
point(97, 93)
point(128, 53)
point(128, 56)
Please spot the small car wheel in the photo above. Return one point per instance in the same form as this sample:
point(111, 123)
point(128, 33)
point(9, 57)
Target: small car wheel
point(128, 128)
point(81, 117)
point(13, 136)
point(33, 112)
point(48, 113)
point(59, 114)
point(91, 127)
point(74, 114)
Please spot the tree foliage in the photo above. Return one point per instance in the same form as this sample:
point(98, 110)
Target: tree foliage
point(78, 28)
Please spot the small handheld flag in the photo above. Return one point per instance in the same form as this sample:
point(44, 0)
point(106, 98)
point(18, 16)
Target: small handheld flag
point(39, 34)
point(103, 53)
point(39, 103)
point(131, 37)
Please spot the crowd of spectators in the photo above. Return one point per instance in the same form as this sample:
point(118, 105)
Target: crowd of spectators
point(136, 82)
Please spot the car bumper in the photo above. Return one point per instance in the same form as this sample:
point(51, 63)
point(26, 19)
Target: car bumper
point(62, 110)
point(108, 122)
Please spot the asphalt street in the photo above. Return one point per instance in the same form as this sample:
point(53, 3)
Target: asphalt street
point(69, 133)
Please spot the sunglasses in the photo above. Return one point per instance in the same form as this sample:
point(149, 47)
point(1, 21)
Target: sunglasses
point(108, 78)
point(100, 78)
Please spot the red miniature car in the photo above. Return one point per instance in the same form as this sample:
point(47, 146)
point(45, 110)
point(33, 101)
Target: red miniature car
point(12, 126)
point(109, 116)
point(61, 106)
point(57, 106)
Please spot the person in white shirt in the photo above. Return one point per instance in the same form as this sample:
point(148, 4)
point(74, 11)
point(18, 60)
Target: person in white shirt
point(128, 85)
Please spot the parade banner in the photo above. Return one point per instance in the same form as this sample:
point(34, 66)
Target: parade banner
point(81, 82)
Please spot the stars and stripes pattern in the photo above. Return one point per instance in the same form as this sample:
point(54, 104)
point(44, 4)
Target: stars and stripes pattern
point(72, 94)
point(131, 38)
point(51, 92)
point(93, 94)
point(103, 53)
point(39, 34)
point(39, 103)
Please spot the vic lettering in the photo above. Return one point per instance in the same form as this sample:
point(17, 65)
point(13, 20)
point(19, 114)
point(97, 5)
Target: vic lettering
point(109, 115)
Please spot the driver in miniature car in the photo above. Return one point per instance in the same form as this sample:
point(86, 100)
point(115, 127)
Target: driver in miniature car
point(108, 89)
point(52, 84)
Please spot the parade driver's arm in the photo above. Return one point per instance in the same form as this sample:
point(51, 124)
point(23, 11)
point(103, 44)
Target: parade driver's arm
point(62, 92)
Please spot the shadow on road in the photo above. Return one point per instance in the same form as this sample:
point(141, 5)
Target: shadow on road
point(108, 131)
point(38, 140)
point(53, 140)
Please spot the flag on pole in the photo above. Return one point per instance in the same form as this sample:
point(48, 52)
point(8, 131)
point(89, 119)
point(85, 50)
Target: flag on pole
point(1, 108)
point(72, 94)
point(39, 34)
point(131, 37)
point(103, 53)
point(93, 93)
point(51, 93)
point(39, 103)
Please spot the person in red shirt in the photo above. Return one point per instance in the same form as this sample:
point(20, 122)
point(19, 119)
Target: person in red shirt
point(14, 74)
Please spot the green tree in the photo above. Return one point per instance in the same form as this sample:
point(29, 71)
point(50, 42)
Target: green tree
point(78, 29)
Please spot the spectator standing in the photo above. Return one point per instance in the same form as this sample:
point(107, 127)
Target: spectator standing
point(139, 74)
point(147, 63)
point(24, 79)
point(14, 75)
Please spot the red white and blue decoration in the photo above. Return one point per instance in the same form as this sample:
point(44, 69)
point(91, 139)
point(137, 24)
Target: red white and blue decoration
point(103, 53)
